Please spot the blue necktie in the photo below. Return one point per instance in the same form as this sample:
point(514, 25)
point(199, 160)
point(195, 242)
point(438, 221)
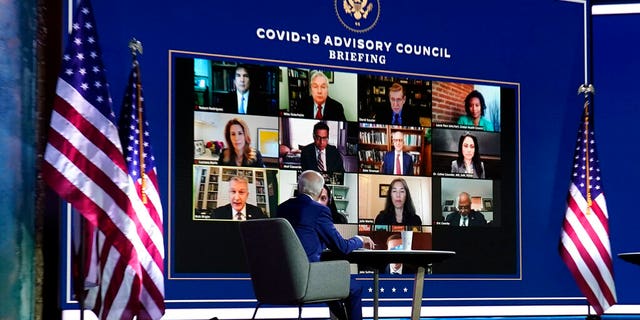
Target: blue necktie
point(242, 110)
point(396, 119)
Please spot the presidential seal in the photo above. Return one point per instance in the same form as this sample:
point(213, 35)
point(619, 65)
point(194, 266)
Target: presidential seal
point(358, 15)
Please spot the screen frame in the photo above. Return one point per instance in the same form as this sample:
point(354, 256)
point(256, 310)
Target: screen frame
point(515, 260)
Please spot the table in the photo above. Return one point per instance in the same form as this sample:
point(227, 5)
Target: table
point(379, 259)
point(633, 257)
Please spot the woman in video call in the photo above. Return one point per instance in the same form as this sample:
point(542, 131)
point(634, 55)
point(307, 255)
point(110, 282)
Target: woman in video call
point(239, 151)
point(398, 208)
point(474, 106)
point(327, 199)
point(468, 161)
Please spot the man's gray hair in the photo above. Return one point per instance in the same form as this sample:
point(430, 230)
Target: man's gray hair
point(310, 183)
point(464, 194)
point(318, 73)
point(241, 179)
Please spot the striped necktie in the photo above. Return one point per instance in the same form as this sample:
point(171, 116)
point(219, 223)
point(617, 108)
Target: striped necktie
point(320, 162)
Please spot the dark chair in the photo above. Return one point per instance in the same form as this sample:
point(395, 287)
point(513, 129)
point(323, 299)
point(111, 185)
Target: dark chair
point(281, 272)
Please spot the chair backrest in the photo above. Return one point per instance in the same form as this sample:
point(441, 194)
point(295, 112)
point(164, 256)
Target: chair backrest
point(277, 262)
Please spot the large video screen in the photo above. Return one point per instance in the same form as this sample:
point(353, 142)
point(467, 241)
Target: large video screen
point(431, 155)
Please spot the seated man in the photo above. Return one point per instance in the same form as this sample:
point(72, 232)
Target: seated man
point(320, 155)
point(238, 208)
point(244, 100)
point(394, 242)
point(397, 161)
point(464, 216)
point(319, 105)
point(398, 113)
point(313, 224)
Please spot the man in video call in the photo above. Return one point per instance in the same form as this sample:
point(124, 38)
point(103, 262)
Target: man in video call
point(464, 216)
point(243, 100)
point(319, 105)
point(320, 155)
point(238, 208)
point(398, 113)
point(314, 226)
point(394, 242)
point(397, 161)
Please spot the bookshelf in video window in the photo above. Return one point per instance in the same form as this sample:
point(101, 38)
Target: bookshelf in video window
point(261, 195)
point(209, 187)
point(264, 80)
point(374, 90)
point(339, 193)
point(298, 88)
point(375, 141)
point(207, 190)
point(212, 82)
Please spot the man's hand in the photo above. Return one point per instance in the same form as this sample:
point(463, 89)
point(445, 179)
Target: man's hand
point(367, 242)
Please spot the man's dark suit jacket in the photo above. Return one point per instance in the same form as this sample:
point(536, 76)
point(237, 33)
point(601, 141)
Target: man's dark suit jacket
point(314, 226)
point(333, 109)
point(225, 212)
point(389, 160)
point(257, 105)
point(309, 161)
point(475, 219)
point(408, 114)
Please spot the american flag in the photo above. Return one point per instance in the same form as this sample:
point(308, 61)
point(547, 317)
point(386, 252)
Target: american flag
point(136, 143)
point(84, 164)
point(584, 243)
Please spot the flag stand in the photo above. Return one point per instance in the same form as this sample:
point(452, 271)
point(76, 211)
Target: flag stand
point(591, 316)
point(81, 293)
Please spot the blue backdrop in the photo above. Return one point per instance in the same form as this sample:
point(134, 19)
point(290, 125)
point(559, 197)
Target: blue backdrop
point(536, 44)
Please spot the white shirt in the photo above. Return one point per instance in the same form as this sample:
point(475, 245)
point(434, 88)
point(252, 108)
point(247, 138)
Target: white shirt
point(243, 212)
point(392, 270)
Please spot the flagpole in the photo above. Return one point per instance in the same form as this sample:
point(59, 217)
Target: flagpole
point(136, 48)
point(79, 289)
point(587, 86)
point(588, 90)
point(81, 293)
